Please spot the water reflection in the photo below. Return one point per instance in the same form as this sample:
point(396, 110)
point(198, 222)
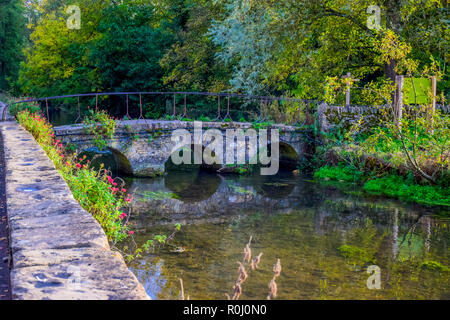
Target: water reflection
point(325, 239)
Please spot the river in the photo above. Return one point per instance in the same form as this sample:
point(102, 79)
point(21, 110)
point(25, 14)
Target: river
point(325, 235)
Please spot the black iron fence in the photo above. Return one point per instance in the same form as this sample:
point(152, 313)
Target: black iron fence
point(226, 106)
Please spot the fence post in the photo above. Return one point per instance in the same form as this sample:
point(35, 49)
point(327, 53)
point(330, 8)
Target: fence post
point(347, 93)
point(398, 106)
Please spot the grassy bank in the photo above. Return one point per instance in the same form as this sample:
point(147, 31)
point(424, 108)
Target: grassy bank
point(390, 185)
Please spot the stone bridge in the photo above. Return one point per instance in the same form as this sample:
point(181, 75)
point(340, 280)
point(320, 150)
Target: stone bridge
point(142, 148)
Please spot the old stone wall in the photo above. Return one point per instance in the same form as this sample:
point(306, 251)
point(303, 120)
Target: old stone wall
point(330, 117)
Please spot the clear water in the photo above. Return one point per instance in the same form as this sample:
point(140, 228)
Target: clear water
point(302, 223)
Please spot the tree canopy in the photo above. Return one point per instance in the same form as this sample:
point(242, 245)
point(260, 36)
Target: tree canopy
point(283, 47)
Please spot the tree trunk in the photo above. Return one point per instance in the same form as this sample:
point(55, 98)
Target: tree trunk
point(393, 22)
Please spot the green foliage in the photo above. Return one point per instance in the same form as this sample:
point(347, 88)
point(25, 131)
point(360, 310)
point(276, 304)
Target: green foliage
point(398, 187)
point(204, 119)
point(31, 107)
point(434, 265)
point(390, 185)
point(118, 48)
point(101, 125)
point(355, 255)
point(190, 62)
point(262, 125)
point(12, 36)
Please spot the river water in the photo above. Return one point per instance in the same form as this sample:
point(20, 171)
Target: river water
point(326, 237)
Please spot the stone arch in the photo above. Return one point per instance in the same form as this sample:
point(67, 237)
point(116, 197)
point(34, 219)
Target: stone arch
point(122, 164)
point(289, 157)
point(168, 164)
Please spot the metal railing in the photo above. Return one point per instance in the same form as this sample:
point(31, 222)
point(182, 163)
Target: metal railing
point(263, 101)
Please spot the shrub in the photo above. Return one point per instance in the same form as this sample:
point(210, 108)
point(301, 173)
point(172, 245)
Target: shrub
point(32, 107)
point(101, 125)
point(341, 173)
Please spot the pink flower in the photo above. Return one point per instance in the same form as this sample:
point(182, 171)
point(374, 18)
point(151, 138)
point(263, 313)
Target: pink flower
point(115, 184)
point(122, 215)
point(130, 233)
point(124, 190)
point(78, 166)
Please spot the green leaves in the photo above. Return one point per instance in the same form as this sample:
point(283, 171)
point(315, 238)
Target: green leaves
point(101, 125)
point(12, 32)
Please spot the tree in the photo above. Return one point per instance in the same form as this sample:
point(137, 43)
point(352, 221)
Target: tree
point(117, 48)
point(190, 63)
point(295, 44)
point(127, 53)
point(12, 25)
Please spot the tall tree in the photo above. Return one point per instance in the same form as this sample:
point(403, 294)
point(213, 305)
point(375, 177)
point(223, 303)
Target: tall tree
point(190, 64)
point(292, 45)
point(12, 26)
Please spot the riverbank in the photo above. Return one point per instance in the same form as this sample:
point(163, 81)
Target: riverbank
point(59, 250)
point(390, 185)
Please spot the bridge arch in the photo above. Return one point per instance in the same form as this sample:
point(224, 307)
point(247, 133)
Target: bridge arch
point(112, 158)
point(169, 165)
point(289, 157)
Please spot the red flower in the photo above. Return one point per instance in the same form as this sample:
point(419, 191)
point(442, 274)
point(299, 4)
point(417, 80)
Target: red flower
point(78, 166)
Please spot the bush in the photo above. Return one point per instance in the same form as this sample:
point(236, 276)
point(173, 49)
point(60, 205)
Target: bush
point(101, 125)
point(32, 107)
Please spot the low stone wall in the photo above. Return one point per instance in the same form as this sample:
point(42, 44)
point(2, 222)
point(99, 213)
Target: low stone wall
point(59, 251)
point(330, 117)
point(6, 114)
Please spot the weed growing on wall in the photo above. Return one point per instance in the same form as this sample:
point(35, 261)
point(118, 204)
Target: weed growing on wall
point(101, 126)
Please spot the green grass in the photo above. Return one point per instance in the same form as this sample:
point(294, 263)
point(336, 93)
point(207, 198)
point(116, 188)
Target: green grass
point(341, 173)
point(391, 185)
point(398, 187)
